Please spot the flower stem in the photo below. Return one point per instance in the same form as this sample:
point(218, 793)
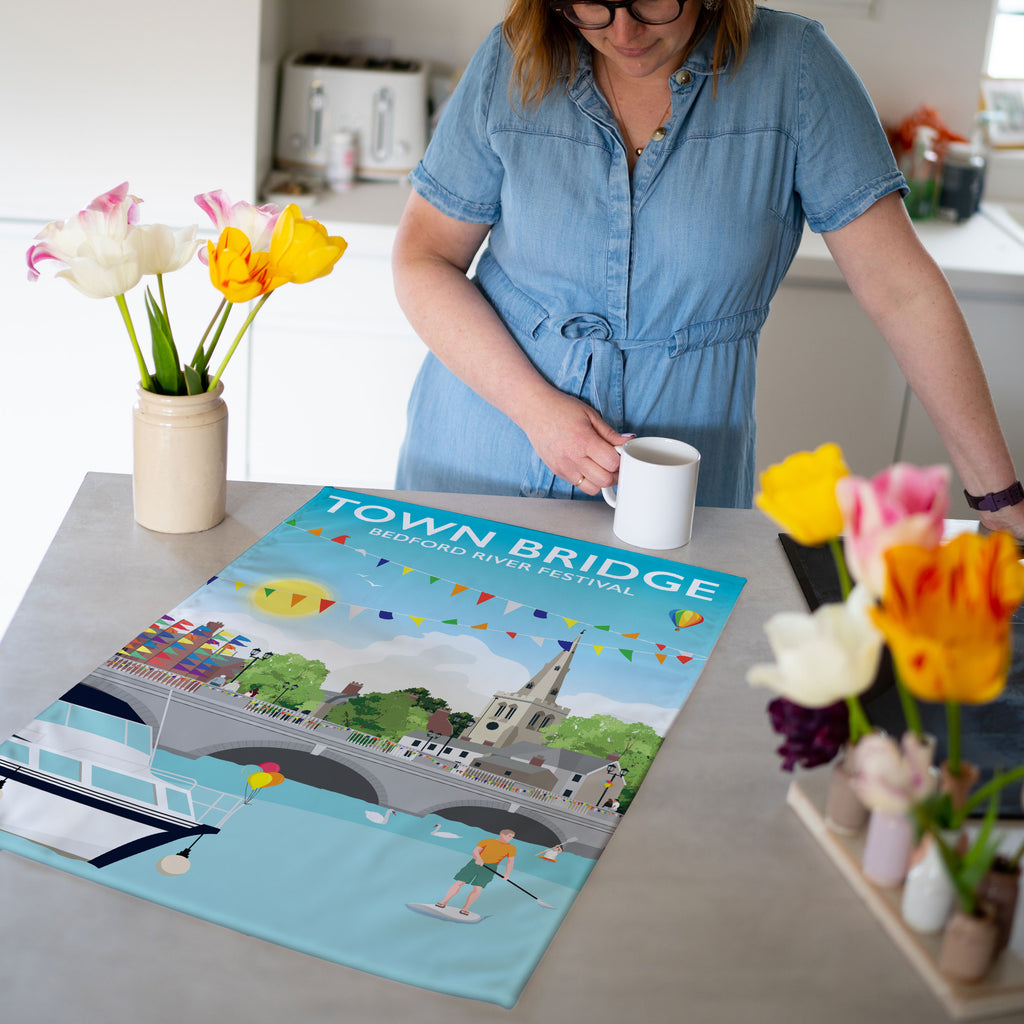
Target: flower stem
point(910, 712)
point(859, 724)
point(953, 736)
point(144, 377)
point(227, 306)
point(201, 359)
point(238, 337)
point(845, 586)
point(980, 795)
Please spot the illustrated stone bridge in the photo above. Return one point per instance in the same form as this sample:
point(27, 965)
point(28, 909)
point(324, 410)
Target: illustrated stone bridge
point(195, 720)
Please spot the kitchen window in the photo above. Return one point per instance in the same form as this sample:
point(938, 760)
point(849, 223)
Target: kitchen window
point(1006, 52)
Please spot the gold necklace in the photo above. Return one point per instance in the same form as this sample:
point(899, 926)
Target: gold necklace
point(656, 136)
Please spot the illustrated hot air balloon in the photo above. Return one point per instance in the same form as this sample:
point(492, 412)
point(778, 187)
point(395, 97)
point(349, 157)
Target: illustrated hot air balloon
point(683, 617)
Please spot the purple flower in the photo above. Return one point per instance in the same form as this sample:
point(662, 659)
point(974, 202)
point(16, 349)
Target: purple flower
point(814, 736)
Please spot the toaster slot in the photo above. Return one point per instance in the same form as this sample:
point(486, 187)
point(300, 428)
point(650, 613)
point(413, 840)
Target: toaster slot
point(383, 123)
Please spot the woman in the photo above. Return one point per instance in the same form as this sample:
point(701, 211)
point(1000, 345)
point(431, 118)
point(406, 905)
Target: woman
point(642, 172)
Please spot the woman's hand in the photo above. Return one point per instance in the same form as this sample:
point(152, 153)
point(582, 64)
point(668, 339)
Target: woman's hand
point(574, 442)
point(1010, 520)
point(430, 257)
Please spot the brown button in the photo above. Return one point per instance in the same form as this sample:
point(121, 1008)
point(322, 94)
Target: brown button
point(683, 77)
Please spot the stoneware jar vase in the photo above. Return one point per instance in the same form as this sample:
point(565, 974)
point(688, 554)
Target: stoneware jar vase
point(928, 893)
point(179, 480)
point(887, 848)
point(845, 813)
point(968, 945)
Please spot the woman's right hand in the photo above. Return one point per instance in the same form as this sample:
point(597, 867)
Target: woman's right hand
point(430, 256)
point(574, 442)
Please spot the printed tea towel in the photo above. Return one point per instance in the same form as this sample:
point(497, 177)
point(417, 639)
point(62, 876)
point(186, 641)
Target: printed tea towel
point(388, 736)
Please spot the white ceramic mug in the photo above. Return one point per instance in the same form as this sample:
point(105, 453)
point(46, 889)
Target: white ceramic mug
point(656, 491)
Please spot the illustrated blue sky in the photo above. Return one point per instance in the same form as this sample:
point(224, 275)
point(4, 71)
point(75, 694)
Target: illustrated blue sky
point(389, 574)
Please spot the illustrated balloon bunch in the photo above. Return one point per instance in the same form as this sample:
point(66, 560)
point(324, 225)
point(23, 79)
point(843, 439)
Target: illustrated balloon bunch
point(268, 775)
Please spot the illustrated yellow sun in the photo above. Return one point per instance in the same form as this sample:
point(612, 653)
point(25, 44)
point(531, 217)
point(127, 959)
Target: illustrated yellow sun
point(290, 597)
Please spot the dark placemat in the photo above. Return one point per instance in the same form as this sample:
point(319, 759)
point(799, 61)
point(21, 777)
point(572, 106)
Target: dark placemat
point(992, 735)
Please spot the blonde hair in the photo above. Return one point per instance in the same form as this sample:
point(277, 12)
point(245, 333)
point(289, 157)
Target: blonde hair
point(543, 44)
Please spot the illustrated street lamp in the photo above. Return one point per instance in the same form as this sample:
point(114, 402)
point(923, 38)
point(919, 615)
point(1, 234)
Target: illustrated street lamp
point(615, 771)
point(255, 655)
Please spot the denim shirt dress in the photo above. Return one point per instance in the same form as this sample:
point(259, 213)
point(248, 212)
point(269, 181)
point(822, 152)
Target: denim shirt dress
point(643, 296)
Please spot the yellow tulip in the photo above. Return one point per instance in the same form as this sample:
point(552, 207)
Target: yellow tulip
point(301, 250)
point(235, 270)
point(800, 494)
point(946, 616)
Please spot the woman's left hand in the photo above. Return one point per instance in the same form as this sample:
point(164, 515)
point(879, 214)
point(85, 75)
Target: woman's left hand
point(1010, 520)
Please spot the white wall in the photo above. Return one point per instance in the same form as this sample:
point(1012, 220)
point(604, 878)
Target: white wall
point(444, 31)
point(919, 51)
point(111, 90)
point(910, 52)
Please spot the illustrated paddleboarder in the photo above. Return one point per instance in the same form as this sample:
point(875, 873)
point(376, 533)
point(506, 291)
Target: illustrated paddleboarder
point(487, 854)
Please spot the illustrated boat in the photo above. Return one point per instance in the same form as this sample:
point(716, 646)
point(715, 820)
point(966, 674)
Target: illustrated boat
point(79, 781)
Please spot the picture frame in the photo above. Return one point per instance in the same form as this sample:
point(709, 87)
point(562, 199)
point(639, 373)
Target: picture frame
point(1003, 101)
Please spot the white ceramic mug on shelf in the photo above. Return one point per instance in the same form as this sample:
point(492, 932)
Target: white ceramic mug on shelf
point(656, 491)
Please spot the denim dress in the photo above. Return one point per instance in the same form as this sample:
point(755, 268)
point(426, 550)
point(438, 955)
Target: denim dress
point(642, 295)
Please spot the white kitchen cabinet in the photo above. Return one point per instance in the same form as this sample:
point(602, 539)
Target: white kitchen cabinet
point(332, 365)
point(825, 374)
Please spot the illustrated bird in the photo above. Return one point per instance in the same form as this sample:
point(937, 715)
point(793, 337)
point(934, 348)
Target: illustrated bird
point(368, 580)
point(443, 835)
point(379, 819)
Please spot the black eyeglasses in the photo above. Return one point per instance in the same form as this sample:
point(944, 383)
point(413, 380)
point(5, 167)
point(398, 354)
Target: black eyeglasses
point(590, 14)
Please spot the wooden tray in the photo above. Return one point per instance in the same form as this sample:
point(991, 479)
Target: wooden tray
point(1002, 991)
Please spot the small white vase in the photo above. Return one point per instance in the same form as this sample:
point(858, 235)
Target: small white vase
point(928, 893)
point(180, 442)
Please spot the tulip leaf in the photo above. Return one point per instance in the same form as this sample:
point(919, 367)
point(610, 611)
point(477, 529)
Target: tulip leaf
point(165, 355)
point(193, 381)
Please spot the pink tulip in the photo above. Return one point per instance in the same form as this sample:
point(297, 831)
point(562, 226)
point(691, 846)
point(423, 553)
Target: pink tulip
point(255, 222)
point(903, 504)
point(94, 246)
point(891, 777)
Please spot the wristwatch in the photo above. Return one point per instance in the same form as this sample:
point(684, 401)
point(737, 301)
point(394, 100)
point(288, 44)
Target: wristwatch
point(995, 500)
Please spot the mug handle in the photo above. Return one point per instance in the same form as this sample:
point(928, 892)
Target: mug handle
point(608, 493)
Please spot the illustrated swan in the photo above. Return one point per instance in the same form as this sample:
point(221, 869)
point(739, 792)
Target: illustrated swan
point(443, 835)
point(379, 819)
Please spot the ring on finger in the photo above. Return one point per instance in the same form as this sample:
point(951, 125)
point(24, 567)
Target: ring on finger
point(581, 479)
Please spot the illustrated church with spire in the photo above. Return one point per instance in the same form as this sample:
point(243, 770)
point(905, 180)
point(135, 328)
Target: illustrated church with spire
point(505, 742)
point(516, 717)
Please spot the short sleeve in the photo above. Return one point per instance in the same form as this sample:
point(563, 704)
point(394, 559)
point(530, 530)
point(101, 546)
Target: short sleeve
point(460, 174)
point(844, 161)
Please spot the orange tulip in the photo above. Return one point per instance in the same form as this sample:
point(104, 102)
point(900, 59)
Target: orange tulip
point(235, 270)
point(946, 616)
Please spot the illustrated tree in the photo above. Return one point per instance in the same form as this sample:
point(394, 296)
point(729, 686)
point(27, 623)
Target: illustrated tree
point(289, 680)
point(388, 715)
point(601, 735)
point(429, 703)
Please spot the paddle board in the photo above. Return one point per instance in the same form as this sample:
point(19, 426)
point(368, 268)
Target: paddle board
point(445, 913)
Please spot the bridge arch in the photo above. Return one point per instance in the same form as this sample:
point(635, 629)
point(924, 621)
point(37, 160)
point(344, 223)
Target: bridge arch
point(328, 770)
point(492, 815)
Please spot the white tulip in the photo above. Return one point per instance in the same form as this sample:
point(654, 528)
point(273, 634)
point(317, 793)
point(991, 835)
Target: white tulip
point(824, 657)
